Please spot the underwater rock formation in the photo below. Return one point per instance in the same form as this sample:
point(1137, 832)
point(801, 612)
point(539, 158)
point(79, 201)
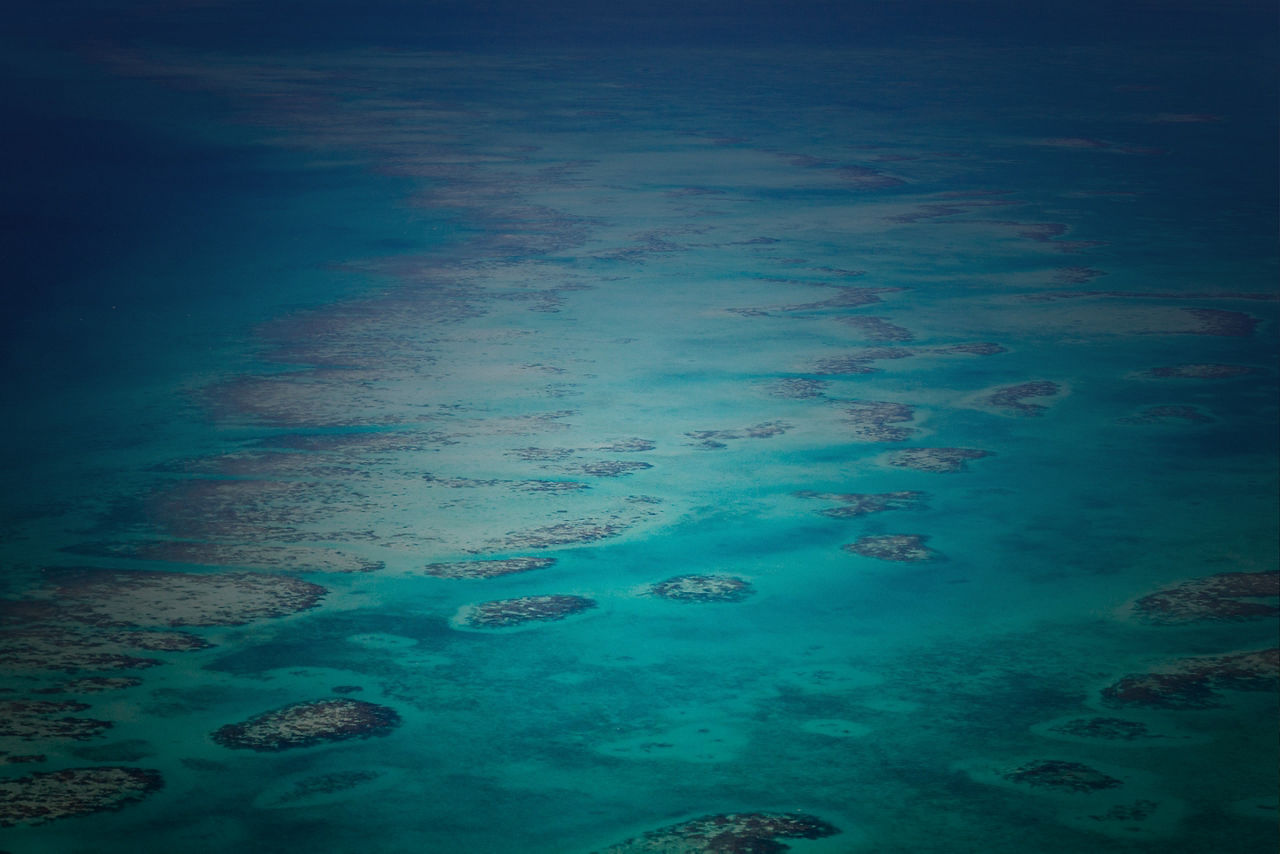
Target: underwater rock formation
point(309, 723)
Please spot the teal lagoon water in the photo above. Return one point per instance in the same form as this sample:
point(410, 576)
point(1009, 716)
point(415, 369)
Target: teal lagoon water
point(421, 307)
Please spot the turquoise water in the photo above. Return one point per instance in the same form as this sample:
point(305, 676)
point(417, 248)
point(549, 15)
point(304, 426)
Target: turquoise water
point(460, 257)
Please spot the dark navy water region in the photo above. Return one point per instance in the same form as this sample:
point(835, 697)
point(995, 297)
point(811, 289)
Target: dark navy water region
point(473, 427)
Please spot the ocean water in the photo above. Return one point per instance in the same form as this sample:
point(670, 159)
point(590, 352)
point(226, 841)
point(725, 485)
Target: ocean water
point(355, 311)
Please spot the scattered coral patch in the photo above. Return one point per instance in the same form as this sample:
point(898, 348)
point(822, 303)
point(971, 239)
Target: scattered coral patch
point(862, 362)
point(21, 758)
point(797, 388)
point(1218, 597)
point(57, 646)
point(711, 440)
point(487, 568)
point(628, 446)
point(1065, 776)
point(505, 613)
point(1217, 321)
point(47, 796)
point(561, 534)
point(879, 329)
point(1139, 810)
point(703, 588)
point(34, 720)
point(1163, 414)
point(904, 548)
point(1200, 372)
point(861, 503)
point(110, 597)
point(609, 468)
point(1013, 398)
point(93, 685)
point(731, 833)
point(977, 348)
point(940, 460)
point(326, 784)
point(873, 420)
point(309, 723)
point(1193, 683)
point(1109, 729)
point(295, 558)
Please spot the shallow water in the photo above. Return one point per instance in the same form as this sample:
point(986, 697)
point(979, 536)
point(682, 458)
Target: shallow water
point(459, 283)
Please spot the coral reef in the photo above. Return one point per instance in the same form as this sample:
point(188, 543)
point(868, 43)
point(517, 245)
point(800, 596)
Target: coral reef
point(703, 588)
point(1193, 683)
point(1162, 414)
point(326, 784)
point(92, 685)
point(504, 613)
point(978, 348)
point(33, 720)
point(68, 648)
point(115, 597)
point(710, 440)
point(627, 446)
point(1013, 398)
point(1109, 729)
point(1139, 810)
point(560, 534)
point(879, 329)
point(862, 503)
point(487, 568)
point(907, 548)
point(797, 388)
point(860, 362)
point(940, 460)
point(609, 468)
point(1217, 597)
point(309, 723)
point(293, 558)
point(47, 796)
point(872, 420)
point(1200, 371)
point(1057, 774)
point(728, 833)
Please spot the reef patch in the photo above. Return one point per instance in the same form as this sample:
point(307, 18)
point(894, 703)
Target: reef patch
point(505, 613)
point(744, 833)
point(703, 588)
point(309, 723)
point(902, 548)
point(48, 796)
